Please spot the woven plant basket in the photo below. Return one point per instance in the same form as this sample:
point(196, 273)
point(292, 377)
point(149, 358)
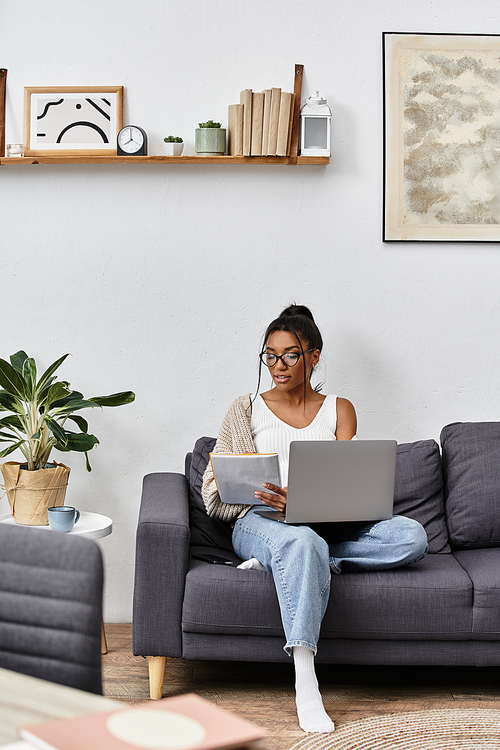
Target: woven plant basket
point(32, 493)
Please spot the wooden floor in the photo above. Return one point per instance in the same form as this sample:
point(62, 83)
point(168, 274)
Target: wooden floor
point(264, 692)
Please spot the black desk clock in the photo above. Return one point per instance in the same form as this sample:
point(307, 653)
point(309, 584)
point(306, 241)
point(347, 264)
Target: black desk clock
point(132, 141)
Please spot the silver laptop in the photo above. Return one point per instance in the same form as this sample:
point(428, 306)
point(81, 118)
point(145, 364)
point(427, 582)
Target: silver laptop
point(339, 480)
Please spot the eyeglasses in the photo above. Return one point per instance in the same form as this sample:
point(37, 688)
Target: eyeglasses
point(289, 359)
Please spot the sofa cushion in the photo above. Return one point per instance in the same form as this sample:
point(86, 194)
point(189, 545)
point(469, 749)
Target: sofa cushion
point(429, 600)
point(471, 469)
point(226, 599)
point(418, 491)
point(483, 568)
point(205, 531)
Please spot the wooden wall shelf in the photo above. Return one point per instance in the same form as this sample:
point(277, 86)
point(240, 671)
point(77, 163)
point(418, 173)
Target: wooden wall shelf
point(221, 160)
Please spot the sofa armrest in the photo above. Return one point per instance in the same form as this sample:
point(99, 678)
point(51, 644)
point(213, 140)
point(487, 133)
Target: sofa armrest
point(162, 555)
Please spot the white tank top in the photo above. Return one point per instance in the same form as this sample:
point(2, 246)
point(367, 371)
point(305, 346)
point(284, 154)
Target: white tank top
point(271, 435)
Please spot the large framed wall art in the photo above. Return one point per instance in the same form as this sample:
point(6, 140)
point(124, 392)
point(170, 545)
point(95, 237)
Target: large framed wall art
point(73, 120)
point(441, 137)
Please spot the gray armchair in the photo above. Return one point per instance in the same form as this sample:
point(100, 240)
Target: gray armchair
point(51, 606)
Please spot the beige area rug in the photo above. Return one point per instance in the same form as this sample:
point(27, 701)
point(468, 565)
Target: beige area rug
point(446, 729)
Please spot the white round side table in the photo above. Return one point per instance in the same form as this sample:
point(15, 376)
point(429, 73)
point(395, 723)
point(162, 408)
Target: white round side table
point(90, 525)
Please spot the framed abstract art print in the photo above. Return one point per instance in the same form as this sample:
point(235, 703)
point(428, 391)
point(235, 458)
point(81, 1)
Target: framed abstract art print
point(441, 137)
point(73, 120)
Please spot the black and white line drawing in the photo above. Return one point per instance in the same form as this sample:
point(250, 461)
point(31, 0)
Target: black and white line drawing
point(67, 120)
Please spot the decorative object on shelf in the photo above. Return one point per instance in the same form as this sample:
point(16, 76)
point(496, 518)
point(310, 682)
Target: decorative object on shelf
point(72, 120)
point(3, 99)
point(441, 115)
point(235, 114)
point(210, 139)
point(15, 149)
point(173, 145)
point(315, 122)
point(36, 423)
point(132, 141)
point(262, 123)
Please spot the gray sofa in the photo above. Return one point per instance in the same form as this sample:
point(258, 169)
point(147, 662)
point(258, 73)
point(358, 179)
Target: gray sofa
point(445, 609)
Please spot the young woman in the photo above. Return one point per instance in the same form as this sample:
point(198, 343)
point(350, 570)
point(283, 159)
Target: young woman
point(300, 558)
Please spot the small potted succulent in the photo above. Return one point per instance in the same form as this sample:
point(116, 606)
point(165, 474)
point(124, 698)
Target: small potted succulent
point(210, 139)
point(34, 415)
point(173, 145)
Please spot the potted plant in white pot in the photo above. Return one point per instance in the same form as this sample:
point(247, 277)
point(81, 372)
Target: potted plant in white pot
point(210, 139)
point(173, 145)
point(36, 422)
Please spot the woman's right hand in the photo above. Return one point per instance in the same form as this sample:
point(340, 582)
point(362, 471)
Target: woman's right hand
point(275, 499)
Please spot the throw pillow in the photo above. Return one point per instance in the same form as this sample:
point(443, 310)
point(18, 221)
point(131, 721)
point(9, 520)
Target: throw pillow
point(471, 468)
point(205, 531)
point(418, 492)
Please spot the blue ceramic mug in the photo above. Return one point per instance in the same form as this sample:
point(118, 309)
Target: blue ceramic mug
point(63, 518)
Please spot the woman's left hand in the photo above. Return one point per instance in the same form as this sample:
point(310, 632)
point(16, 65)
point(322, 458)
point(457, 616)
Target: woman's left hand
point(275, 499)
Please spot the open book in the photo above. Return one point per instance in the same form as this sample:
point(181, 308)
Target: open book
point(239, 475)
point(185, 722)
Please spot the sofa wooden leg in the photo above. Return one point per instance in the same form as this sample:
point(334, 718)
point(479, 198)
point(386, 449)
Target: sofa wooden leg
point(156, 676)
point(104, 644)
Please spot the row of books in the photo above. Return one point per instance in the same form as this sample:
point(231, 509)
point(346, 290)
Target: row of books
point(261, 124)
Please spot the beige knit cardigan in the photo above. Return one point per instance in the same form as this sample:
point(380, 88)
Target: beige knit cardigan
point(235, 436)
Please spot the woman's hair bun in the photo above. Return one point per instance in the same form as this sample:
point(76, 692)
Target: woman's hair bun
point(293, 310)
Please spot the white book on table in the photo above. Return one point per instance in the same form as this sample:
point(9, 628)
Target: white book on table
point(239, 475)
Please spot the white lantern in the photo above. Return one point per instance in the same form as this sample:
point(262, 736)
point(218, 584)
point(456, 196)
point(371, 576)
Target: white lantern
point(315, 118)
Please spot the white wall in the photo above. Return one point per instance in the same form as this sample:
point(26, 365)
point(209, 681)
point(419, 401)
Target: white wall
point(161, 279)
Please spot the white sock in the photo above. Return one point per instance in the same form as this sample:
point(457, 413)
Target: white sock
point(310, 710)
point(252, 564)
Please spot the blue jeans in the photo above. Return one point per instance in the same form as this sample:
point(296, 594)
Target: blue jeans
point(301, 562)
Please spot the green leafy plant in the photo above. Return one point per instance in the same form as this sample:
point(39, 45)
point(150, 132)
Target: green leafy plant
point(209, 124)
point(173, 139)
point(39, 410)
